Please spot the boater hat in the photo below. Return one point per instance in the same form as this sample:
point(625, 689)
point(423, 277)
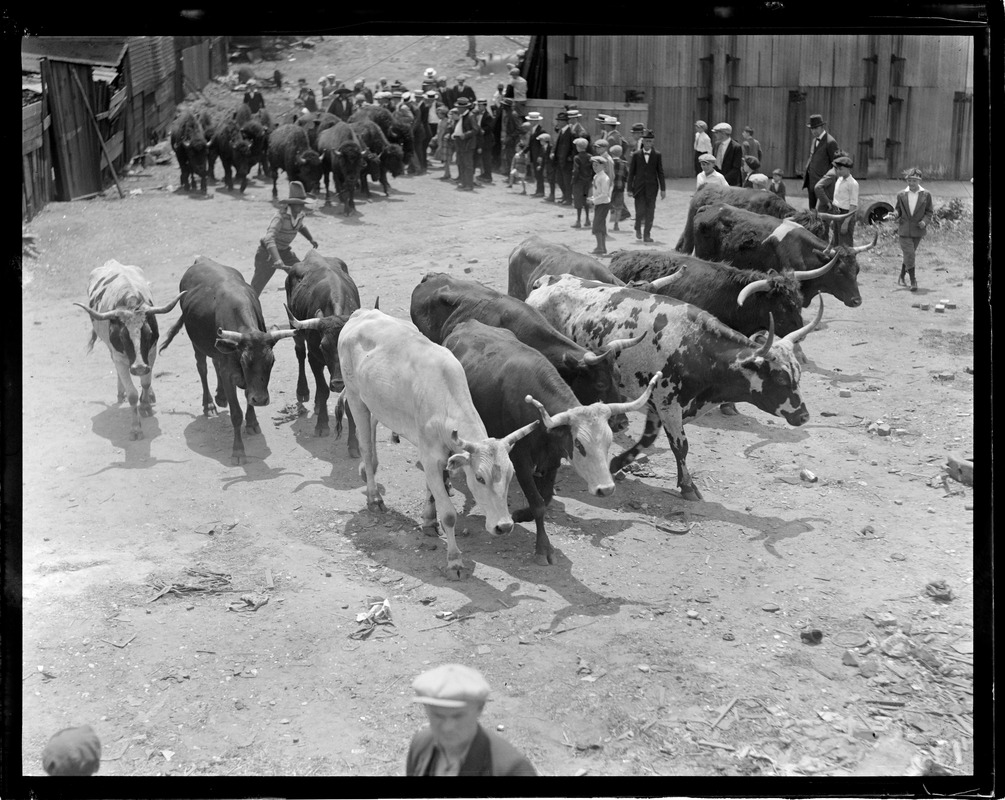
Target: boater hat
point(462, 102)
point(573, 113)
point(607, 119)
point(450, 686)
point(534, 116)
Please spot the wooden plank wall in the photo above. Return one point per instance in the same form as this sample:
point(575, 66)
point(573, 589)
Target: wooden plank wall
point(77, 151)
point(831, 69)
point(36, 174)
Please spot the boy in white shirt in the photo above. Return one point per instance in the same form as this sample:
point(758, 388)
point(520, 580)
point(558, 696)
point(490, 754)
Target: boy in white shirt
point(845, 199)
point(601, 200)
point(708, 173)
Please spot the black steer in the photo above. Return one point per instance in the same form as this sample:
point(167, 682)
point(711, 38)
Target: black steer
point(534, 258)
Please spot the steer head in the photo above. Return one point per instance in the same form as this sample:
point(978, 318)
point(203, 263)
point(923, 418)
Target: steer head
point(587, 436)
point(842, 280)
point(771, 372)
point(255, 359)
point(329, 329)
point(132, 329)
point(489, 471)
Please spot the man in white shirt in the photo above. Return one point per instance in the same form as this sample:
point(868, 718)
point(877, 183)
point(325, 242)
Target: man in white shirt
point(845, 200)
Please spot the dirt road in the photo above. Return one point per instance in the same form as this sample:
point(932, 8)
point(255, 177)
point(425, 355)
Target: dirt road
point(666, 638)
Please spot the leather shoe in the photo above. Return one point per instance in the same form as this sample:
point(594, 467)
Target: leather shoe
point(648, 239)
point(548, 200)
point(638, 235)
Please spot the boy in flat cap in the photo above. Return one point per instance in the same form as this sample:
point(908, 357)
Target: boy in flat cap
point(913, 210)
point(845, 200)
point(455, 744)
point(728, 154)
point(582, 179)
point(777, 184)
point(72, 751)
point(708, 174)
point(600, 199)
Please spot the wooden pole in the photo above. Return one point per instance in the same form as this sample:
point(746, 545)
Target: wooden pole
point(97, 132)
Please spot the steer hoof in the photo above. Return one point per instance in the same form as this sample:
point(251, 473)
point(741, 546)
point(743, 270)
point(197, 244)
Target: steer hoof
point(146, 411)
point(376, 505)
point(523, 515)
point(353, 451)
point(545, 559)
point(209, 411)
point(729, 410)
point(237, 459)
point(136, 433)
point(690, 493)
point(456, 571)
point(253, 427)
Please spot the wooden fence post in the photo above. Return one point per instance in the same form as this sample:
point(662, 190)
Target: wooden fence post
point(97, 132)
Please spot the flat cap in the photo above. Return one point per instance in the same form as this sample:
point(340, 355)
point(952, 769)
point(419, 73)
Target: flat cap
point(561, 115)
point(72, 751)
point(913, 172)
point(706, 157)
point(598, 159)
point(723, 127)
point(638, 127)
point(777, 172)
point(843, 161)
point(450, 686)
point(601, 143)
point(544, 137)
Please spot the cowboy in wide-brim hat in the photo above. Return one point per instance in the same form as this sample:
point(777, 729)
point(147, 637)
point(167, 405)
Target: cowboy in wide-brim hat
point(297, 195)
point(274, 249)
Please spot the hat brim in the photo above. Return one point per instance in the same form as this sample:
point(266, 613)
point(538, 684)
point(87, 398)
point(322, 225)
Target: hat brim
point(443, 703)
point(289, 200)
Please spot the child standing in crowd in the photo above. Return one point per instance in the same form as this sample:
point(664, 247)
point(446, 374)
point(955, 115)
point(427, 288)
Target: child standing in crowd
point(582, 177)
point(845, 200)
point(708, 172)
point(600, 197)
point(777, 184)
point(445, 149)
point(548, 164)
point(519, 171)
point(913, 210)
point(618, 187)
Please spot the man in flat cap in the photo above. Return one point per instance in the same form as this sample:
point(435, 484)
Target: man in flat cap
point(823, 151)
point(455, 744)
point(461, 89)
point(728, 154)
point(913, 212)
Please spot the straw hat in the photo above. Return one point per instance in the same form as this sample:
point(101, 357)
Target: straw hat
point(297, 195)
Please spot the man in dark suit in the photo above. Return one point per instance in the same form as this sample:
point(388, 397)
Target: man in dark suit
point(645, 175)
point(913, 212)
point(341, 106)
point(253, 97)
point(486, 140)
point(823, 151)
point(464, 136)
point(455, 744)
point(461, 89)
point(728, 154)
point(563, 155)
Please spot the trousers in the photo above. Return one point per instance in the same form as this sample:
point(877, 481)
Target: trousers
point(645, 210)
point(264, 269)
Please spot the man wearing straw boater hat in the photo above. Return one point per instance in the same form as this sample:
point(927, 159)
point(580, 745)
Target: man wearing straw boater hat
point(274, 250)
point(536, 149)
point(455, 744)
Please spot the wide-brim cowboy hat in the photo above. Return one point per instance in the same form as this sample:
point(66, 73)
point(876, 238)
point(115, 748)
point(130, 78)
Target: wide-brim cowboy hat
point(297, 195)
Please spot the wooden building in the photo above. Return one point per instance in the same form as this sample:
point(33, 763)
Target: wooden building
point(892, 101)
point(104, 100)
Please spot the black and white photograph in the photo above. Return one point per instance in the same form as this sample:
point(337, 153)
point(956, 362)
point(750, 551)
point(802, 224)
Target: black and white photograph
point(526, 402)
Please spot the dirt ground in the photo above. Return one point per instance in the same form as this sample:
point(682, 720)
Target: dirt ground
point(666, 640)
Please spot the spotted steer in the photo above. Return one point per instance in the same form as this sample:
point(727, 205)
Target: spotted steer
point(418, 389)
point(702, 360)
point(124, 317)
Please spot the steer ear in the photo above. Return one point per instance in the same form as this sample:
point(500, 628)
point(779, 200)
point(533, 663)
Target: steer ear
point(457, 462)
point(226, 346)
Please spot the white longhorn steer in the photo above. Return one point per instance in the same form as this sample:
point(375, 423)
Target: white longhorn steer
point(124, 317)
point(418, 389)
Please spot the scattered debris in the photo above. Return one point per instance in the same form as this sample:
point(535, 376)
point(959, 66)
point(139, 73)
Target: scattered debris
point(379, 614)
point(210, 582)
point(812, 636)
point(248, 602)
point(961, 468)
point(807, 476)
point(939, 590)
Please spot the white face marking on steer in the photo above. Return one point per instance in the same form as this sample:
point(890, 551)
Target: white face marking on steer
point(785, 227)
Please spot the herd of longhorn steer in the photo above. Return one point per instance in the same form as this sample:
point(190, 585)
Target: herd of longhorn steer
point(500, 385)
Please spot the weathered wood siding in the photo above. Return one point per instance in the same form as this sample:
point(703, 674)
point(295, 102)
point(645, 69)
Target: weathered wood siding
point(36, 172)
point(768, 81)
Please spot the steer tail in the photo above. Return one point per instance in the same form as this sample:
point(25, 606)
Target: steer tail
point(173, 332)
point(339, 410)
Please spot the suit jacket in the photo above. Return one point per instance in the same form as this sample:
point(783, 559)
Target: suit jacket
point(732, 163)
point(579, 132)
point(468, 133)
point(487, 123)
point(824, 190)
point(489, 755)
point(820, 161)
point(449, 97)
point(643, 177)
point(564, 151)
point(341, 107)
point(464, 91)
point(254, 100)
point(908, 222)
point(536, 148)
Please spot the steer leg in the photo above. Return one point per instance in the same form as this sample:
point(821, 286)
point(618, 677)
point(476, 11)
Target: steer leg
point(300, 348)
point(251, 420)
point(221, 392)
point(127, 388)
point(674, 424)
point(649, 434)
point(207, 402)
point(368, 444)
point(445, 512)
point(147, 398)
point(544, 553)
point(237, 456)
point(321, 398)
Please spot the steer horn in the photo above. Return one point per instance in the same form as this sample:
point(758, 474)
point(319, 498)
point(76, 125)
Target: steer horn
point(228, 336)
point(277, 335)
point(804, 331)
point(102, 316)
point(835, 217)
point(311, 324)
point(809, 274)
point(752, 288)
point(613, 347)
point(659, 283)
point(548, 420)
point(863, 247)
point(639, 402)
point(512, 438)
point(165, 308)
point(771, 337)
